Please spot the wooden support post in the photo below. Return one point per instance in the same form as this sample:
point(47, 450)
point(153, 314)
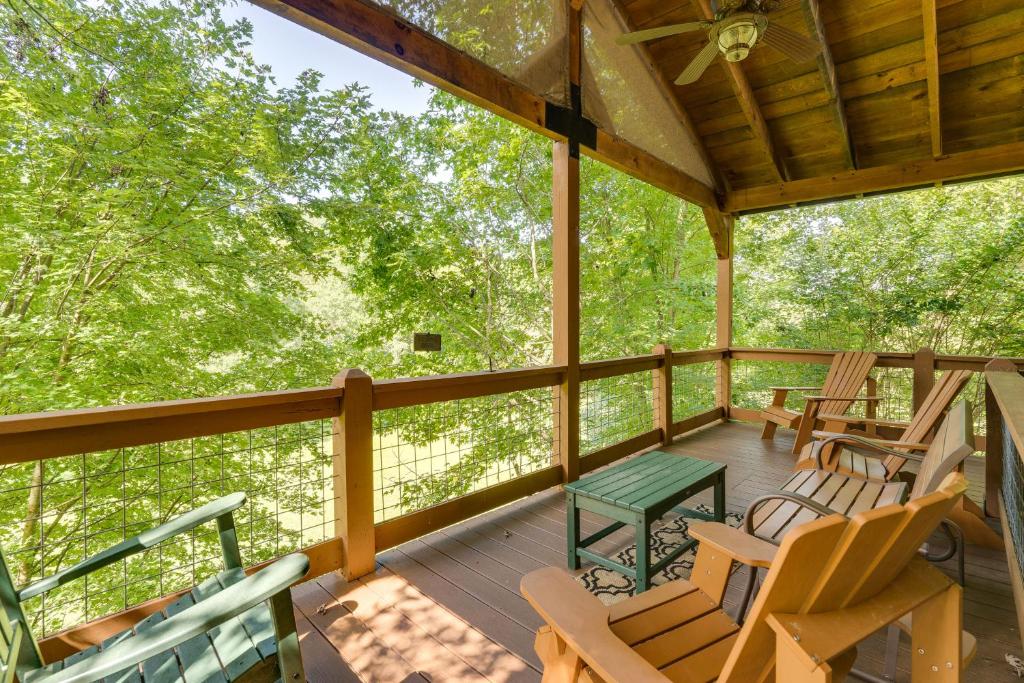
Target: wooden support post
point(353, 473)
point(723, 334)
point(663, 394)
point(566, 303)
point(565, 297)
point(924, 375)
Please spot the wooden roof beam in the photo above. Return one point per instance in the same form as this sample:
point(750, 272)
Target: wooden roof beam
point(931, 59)
point(748, 103)
point(671, 97)
point(827, 67)
point(379, 34)
point(975, 164)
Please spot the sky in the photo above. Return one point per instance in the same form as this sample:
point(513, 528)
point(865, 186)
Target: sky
point(289, 49)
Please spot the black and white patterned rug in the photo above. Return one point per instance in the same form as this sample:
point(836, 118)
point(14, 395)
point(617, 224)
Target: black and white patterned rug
point(611, 587)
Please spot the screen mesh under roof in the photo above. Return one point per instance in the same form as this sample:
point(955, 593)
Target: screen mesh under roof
point(622, 96)
point(525, 39)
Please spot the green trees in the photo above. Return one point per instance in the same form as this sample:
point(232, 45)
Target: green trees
point(939, 268)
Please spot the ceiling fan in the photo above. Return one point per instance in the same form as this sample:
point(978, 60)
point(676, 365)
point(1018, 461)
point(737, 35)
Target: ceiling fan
point(737, 27)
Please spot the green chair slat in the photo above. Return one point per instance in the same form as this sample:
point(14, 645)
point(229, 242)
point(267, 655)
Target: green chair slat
point(257, 621)
point(659, 490)
point(81, 654)
point(198, 659)
point(11, 665)
point(234, 647)
point(164, 667)
point(130, 675)
point(653, 482)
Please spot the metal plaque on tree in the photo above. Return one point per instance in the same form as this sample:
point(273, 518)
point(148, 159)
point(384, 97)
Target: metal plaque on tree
point(424, 341)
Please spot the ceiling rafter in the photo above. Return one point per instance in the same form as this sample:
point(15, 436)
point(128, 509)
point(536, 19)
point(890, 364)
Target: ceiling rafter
point(748, 103)
point(931, 59)
point(671, 97)
point(827, 67)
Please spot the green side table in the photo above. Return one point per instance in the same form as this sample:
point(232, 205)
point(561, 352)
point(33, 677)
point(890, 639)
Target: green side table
point(637, 492)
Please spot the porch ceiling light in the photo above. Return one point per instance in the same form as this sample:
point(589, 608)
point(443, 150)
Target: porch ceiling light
point(736, 39)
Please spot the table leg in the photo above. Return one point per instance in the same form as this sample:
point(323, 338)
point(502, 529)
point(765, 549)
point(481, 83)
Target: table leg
point(720, 497)
point(572, 530)
point(643, 554)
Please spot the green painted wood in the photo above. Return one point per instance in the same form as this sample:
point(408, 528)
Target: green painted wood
point(637, 492)
point(197, 657)
point(235, 649)
point(147, 539)
point(164, 635)
point(161, 667)
point(257, 621)
point(132, 673)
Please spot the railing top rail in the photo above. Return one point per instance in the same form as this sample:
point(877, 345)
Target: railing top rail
point(1008, 390)
point(82, 417)
point(410, 391)
point(613, 367)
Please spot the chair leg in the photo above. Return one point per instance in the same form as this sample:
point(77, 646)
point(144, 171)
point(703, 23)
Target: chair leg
point(768, 432)
point(561, 665)
point(806, 426)
point(936, 644)
point(289, 655)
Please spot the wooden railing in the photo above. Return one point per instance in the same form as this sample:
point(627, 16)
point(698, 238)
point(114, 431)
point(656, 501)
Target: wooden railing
point(351, 403)
point(1005, 466)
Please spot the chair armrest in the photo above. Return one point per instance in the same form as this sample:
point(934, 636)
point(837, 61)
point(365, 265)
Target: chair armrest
point(887, 443)
point(581, 620)
point(850, 419)
point(798, 498)
point(871, 447)
point(737, 544)
point(194, 621)
point(842, 398)
point(137, 544)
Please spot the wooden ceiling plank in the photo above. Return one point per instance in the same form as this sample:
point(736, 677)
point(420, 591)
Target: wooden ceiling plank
point(745, 94)
point(671, 98)
point(931, 58)
point(982, 163)
point(827, 67)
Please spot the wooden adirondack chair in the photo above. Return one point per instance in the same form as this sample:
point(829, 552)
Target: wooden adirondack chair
point(815, 493)
point(882, 461)
point(847, 375)
point(220, 631)
point(916, 434)
point(832, 583)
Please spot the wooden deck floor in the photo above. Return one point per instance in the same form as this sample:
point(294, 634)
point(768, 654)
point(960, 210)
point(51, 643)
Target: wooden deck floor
point(447, 607)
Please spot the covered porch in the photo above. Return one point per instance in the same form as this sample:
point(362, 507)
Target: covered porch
point(447, 606)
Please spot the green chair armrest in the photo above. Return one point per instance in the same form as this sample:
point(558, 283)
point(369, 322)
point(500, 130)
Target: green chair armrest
point(194, 621)
point(131, 546)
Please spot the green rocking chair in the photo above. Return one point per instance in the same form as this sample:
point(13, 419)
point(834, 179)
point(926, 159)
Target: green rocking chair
point(227, 628)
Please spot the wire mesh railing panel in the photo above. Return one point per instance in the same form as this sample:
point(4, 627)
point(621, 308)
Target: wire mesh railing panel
point(1013, 492)
point(613, 409)
point(752, 381)
point(974, 392)
point(693, 389)
point(63, 510)
point(426, 455)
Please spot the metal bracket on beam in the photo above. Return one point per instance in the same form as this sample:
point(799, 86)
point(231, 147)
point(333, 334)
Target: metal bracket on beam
point(578, 129)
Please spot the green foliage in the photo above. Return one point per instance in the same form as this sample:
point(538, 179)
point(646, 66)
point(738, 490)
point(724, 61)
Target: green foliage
point(940, 268)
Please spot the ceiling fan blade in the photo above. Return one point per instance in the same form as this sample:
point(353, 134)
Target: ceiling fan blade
point(661, 32)
point(796, 47)
point(699, 65)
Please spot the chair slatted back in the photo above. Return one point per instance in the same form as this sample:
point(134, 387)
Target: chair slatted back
point(953, 442)
point(845, 378)
point(940, 397)
point(18, 647)
point(844, 562)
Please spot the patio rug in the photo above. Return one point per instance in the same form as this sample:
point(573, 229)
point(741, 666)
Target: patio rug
point(611, 587)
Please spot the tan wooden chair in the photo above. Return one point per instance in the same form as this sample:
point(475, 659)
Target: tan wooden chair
point(916, 434)
point(848, 374)
point(883, 461)
point(833, 582)
point(813, 493)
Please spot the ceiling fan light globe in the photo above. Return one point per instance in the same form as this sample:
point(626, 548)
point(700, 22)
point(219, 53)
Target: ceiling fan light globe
point(736, 39)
